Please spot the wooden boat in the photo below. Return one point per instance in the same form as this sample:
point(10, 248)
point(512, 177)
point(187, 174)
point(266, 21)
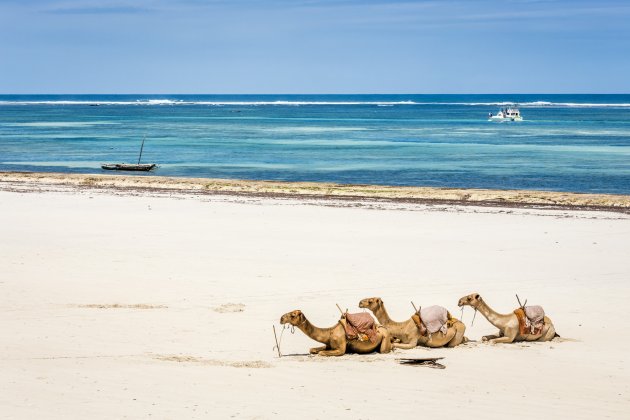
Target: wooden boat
point(130, 166)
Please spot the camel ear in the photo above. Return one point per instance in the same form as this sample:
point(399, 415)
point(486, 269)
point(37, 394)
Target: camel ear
point(477, 297)
point(379, 301)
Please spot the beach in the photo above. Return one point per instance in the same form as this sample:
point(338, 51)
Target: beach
point(144, 301)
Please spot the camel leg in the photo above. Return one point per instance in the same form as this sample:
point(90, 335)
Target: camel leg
point(316, 350)
point(548, 332)
point(335, 352)
point(508, 337)
point(336, 348)
point(386, 341)
point(501, 340)
point(405, 346)
point(450, 333)
point(460, 329)
point(548, 335)
point(491, 337)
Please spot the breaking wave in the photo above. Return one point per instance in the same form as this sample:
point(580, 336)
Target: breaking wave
point(211, 103)
point(171, 102)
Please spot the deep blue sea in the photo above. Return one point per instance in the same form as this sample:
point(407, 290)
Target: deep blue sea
point(577, 143)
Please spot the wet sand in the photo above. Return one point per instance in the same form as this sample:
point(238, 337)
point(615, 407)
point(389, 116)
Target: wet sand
point(319, 191)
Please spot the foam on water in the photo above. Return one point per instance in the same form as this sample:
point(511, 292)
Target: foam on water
point(163, 102)
point(59, 124)
point(310, 130)
point(212, 103)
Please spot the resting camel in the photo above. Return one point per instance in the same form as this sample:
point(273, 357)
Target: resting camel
point(409, 334)
point(334, 338)
point(506, 323)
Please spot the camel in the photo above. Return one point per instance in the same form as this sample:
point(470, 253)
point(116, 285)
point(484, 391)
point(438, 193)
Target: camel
point(408, 333)
point(506, 323)
point(334, 338)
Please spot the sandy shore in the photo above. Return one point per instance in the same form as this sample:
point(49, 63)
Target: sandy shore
point(148, 302)
point(318, 191)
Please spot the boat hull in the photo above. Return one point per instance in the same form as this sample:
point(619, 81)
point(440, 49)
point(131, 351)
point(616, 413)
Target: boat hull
point(128, 167)
point(501, 119)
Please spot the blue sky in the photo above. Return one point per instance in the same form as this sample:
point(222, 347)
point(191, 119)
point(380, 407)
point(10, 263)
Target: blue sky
point(314, 46)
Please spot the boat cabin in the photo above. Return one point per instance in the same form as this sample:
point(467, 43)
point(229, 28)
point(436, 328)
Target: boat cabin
point(510, 113)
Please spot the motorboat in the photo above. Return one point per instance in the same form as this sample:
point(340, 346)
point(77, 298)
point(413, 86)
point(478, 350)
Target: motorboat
point(510, 113)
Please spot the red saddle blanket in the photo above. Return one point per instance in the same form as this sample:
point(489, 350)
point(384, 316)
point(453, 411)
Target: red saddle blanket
point(360, 326)
point(531, 320)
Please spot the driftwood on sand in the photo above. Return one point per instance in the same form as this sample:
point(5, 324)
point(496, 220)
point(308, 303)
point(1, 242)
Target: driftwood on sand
point(431, 362)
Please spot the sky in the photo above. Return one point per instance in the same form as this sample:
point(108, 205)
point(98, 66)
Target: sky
point(314, 46)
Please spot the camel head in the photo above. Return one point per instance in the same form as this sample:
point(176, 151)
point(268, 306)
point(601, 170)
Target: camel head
point(294, 318)
point(371, 303)
point(472, 299)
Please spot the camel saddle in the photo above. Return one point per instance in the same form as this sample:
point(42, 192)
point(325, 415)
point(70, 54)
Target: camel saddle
point(433, 319)
point(360, 326)
point(531, 320)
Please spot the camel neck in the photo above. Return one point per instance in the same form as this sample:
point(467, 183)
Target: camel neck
point(383, 317)
point(318, 334)
point(495, 318)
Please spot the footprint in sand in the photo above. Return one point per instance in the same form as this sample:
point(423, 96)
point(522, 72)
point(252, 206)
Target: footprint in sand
point(252, 364)
point(229, 307)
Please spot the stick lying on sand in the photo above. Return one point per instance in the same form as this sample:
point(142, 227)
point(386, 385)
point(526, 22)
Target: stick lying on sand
point(424, 361)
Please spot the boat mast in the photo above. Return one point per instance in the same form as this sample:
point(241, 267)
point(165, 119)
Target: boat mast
point(141, 148)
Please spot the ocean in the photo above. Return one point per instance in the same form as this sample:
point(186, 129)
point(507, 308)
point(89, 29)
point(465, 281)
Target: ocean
point(578, 143)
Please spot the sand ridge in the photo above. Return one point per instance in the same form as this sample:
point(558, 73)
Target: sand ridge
point(480, 197)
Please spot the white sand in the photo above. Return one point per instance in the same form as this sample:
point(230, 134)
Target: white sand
point(122, 306)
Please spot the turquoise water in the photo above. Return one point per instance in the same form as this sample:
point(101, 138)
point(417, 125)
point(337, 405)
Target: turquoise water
point(575, 143)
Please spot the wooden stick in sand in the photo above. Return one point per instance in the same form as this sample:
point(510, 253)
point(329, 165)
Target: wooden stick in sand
point(276, 338)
